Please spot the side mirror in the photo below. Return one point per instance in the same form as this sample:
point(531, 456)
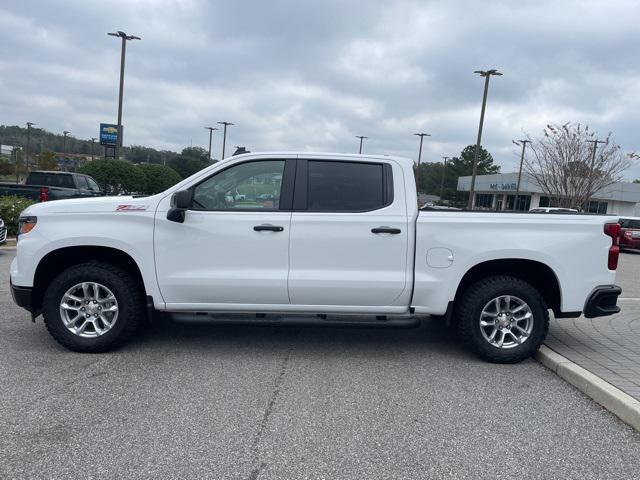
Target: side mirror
point(180, 203)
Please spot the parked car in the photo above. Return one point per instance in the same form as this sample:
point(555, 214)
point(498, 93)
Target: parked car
point(42, 185)
point(342, 236)
point(552, 210)
point(630, 233)
point(3, 232)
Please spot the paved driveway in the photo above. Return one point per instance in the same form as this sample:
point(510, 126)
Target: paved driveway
point(269, 402)
point(607, 346)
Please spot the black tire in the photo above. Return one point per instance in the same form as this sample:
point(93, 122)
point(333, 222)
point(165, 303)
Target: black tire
point(474, 299)
point(125, 288)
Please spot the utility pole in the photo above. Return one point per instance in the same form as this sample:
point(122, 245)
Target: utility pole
point(487, 75)
point(29, 125)
point(593, 161)
point(211, 129)
point(524, 145)
point(123, 50)
point(421, 135)
point(361, 137)
point(444, 167)
point(93, 142)
point(224, 136)
point(64, 148)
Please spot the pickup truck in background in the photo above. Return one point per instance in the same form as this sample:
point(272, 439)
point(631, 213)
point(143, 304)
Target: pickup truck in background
point(342, 235)
point(44, 185)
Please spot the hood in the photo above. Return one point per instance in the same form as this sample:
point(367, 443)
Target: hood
point(94, 205)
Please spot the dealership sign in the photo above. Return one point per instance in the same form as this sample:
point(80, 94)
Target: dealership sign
point(503, 186)
point(108, 135)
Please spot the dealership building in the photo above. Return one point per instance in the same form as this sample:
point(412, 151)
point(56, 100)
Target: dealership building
point(498, 192)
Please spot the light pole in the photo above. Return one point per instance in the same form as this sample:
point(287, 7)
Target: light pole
point(224, 136)
point(124, 38)
point(64, 148)
point(524, 145)
point(487, 75)
point(421, 135)
point(93, 142)
point(593, 161)
point(29, 125)
point(444, 167)
point(361, 137)
point(211, 129)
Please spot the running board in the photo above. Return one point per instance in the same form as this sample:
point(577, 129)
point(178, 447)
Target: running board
point(365, 321)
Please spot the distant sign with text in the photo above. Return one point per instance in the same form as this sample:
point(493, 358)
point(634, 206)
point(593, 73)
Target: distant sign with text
point(108, 135)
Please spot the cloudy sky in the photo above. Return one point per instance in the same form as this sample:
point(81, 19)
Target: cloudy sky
point(302, 75)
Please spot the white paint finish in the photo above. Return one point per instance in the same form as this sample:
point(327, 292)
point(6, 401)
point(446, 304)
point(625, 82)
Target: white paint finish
point(216, 262)
point(439, 257)
point(69, 223)
point(217, 257)
point(337, 260)
point(573, 246)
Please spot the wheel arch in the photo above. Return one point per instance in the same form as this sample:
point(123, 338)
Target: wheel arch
point(537, 274)
point(60, 259)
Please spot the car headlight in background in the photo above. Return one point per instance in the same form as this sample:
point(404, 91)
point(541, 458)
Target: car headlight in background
point(26, 224)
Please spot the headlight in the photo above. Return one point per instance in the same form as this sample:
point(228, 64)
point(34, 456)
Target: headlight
point(26, 224)
point(1, 223)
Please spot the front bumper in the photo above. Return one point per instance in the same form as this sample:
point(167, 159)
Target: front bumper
point(602, 301)
point(23, 297)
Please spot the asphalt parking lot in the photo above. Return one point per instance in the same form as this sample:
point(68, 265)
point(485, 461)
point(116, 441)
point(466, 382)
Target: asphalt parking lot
point(268, 402)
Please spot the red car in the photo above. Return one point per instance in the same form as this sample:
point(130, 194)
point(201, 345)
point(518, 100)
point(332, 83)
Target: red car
point(630, 233)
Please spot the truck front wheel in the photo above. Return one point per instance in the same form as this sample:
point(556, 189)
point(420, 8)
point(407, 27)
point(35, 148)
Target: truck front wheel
point(503, 319)
point(93, 307)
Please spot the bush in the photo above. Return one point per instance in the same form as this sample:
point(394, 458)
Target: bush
point(10, 209)
point(157, 178)
point(115, 176)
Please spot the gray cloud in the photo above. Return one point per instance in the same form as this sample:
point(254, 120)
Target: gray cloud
point(311, 75)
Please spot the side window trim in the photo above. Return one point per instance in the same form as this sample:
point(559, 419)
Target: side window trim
point(286, 188)
point(301, 199)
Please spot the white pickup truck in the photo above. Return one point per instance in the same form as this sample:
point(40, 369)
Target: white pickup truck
point(320, 234)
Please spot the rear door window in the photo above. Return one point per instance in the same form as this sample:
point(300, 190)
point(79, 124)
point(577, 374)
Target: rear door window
point(346, 186)
point(82, 182)
point(51, 179)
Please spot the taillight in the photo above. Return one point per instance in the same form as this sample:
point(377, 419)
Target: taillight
point(44, 194)
point(613, 230)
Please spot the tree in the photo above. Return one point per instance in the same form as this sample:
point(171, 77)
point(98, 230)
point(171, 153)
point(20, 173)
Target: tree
point(462, 165)
point(115, 176)
point(186, 166)
point(47, 160)
point(563, 164)
point(196, 153)
point(157, 178)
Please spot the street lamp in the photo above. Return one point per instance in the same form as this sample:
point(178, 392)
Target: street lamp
point(444, 167)
point(93, 142)
point(29, 125)
point(524, 145)
point(361, 137)
point(211, 129)
point(124, 38)
point(421, 135)
point(487, 75)
point(64, 147)
point(224, 136)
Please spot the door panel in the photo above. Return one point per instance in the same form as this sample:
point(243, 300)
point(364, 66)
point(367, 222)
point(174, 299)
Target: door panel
point(218, 257)
point(233, 247)
point(335, 257)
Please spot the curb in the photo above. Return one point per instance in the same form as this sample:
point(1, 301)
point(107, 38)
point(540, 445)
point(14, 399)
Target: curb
point(622, 405)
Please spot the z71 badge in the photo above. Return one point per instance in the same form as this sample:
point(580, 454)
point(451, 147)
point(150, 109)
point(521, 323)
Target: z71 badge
point(131, 208)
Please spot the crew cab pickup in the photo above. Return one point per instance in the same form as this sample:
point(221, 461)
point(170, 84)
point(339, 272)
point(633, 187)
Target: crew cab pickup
point(319, 234)
point(42, 185)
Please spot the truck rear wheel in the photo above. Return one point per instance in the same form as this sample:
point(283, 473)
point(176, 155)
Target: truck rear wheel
point(93, 307)
point(502, 319)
